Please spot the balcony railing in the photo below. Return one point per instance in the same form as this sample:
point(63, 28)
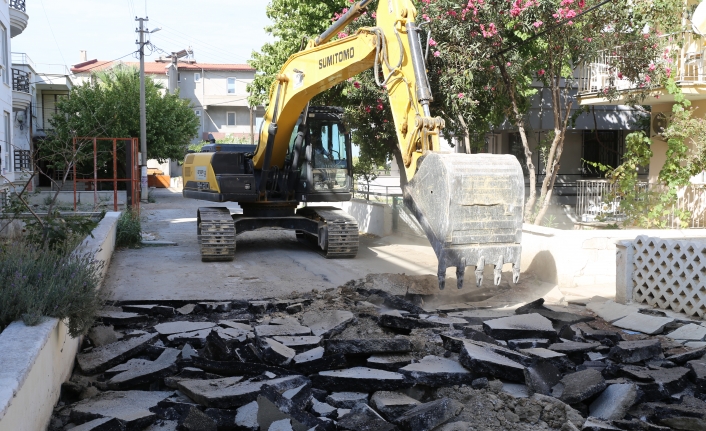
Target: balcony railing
point(23, 161)
point(20, 80)
point(596, 202)
point(689, 66)
point(18, 4)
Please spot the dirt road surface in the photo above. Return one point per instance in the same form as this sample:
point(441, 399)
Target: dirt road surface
point(268, 263)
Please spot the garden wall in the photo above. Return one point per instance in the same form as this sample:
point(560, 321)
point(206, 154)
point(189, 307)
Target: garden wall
point(36, 360)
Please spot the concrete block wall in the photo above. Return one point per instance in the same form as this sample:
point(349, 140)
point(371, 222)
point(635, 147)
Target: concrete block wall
point(36, 360)
point(667, 273)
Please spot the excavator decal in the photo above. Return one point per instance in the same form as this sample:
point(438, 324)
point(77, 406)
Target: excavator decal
point(344, 55)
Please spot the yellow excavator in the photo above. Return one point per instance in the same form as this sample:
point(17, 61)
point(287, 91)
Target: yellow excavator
point(469, 205)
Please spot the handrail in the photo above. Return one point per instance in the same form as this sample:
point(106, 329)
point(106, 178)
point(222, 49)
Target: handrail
point(18, 4)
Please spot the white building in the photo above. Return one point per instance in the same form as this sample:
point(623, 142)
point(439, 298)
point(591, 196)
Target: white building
point(15, 98)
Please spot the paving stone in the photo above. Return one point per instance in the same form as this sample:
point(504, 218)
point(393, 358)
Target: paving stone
point(523, 326)
point(277, 353)
point(691, 332)
point(428, 416)
point(347, 400)
point(170, 328)
point(281, 330)
point(581, 385)
point(391, 405)
point(528, 343)
point(687, 356)
point(573, 347)
point(610, 311)
point(246, 417)
point(300, 343)
point(130, 407)
point(667, 382)
point(151, 309)
point(231, 392)
point(436, 372)
point(368, 346)
point(101, 424)
point(644, 323)
point(327, 323)
point(363, 418)
point(101, 335)
point(541, 377)
point(484, 361)
point(359, 379)
point(389, 362)
point(120, 318)
point(163, 366)
point(631, 352)
point(614, 402)
point(324, 410)
point(102, 358)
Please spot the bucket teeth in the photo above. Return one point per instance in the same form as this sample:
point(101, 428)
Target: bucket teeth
point(515, 273)
point(442, 281)
point(498, 272)
point(479, 271)
point(460, 272)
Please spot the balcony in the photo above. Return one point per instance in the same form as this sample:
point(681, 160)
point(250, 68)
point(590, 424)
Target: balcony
point(18, 17)
point(689, 70)
point(21, 96)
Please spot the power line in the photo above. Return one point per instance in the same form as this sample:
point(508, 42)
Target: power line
point(211, 48)
point(52, 31)
point(208, 52)
point(107, 62)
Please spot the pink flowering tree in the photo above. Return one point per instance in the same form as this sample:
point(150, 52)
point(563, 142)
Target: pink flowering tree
point(500, 53)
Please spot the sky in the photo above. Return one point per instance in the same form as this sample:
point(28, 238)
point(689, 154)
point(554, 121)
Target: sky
point(219, 31)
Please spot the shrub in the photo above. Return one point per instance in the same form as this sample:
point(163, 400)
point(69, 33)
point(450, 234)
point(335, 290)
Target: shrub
point(56, 231)
point(129, 229)
point(37, 282)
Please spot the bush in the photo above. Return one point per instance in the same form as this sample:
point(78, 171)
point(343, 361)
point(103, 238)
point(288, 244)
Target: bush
point(56, 231)
point(37, 282)
point(129, 230)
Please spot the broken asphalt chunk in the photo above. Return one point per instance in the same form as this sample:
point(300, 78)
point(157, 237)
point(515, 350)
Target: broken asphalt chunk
point(610, 311)
point(541, 377)
point(347, 400)
point(277, 353)
point(130, 407)
point(389, 362)
point(614, 402)
point(232, 392)
point(170, 328)
point(102, 358)
point(631, 352)
point(359, 379)
point(363, 418)
point(392, 405)
point(428, 416)
point(644, 323)
point(299, 343)
point(520, 326)
point(120, 318)
point(101, 424)
point(485, 361)
point(691, 332)
point(151, 309)
point(436, 372)
point(163, 366)
point(327, 323)
point(667, 382)
point(368, 346)
point(557, 317)
point(581, 385)
point(262, 331)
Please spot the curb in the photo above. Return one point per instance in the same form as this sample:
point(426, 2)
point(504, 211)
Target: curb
point(36, 360)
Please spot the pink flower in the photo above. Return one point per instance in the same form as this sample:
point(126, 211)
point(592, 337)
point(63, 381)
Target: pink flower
point(367, 109)
point(460, 95)
point(509, 64)
point(437, 53)
point(648, 79)
point(620, 75)
point(356, 84)
point(432, 42)
point(537, 24)
point(541, 72)
point(341, 35)
point(425, 17)
point(652, 66)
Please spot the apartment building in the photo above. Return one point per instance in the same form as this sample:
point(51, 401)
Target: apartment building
point(15, 98)
point(217, 92)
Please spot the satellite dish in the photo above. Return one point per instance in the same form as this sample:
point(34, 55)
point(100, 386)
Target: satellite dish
point(660, 123)
point(698, 20)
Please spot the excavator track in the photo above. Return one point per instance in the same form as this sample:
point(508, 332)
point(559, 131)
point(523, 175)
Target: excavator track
point(340, 233)
point(216, 233)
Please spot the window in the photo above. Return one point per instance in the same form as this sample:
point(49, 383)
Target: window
point(602, 146)
point(49, 109)
point(231, 86)
point(197, 77)
point(230, 121)
point(22, 160)
point(197, 112)
point(5, 56)
point(178, 76)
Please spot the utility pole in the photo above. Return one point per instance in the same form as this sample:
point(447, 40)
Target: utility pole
point(143, 112)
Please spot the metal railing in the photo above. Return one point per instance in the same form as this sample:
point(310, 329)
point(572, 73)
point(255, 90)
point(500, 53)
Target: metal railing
point(22, 58)
point(599, 74)
point(18, 4)
point(375, 192)
point(23, 160)
point(20, 80)
point(596, 201)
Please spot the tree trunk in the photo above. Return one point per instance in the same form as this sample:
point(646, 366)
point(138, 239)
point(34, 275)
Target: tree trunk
point(519, 119)
point(466, 135)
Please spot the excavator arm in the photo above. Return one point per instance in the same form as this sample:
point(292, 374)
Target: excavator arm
point(470, 206)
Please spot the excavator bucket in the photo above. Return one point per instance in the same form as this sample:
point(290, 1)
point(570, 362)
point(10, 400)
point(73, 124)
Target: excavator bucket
point(470, 207)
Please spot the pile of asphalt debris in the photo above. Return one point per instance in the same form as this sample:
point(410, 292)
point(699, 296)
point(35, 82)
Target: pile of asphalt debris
point(358, 358)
